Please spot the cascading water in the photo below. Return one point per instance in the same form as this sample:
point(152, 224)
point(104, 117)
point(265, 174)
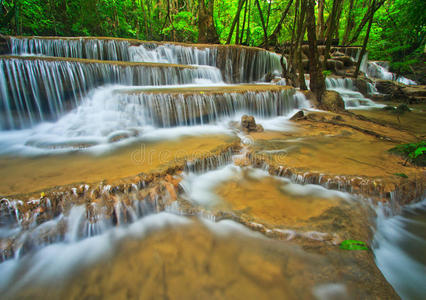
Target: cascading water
point(108, 49)
point(352, 98)
point(380, 70)
point(237, 64)
point(37, 89)
point(399, 246)
point(55, 237)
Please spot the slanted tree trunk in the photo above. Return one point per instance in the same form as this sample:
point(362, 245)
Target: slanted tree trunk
point(364, 45)
point(350, 22)
point(317, 83)
point(370, 12)
point(300, 35)
point(244, 23)
point(248, 24)
point(273, 37)
point(234, 22)
point(289, 51)
point(206, 29)
point(262, 20)
point(334, 17)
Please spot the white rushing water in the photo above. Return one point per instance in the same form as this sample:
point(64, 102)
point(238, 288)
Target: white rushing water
point(400, 247)
point(380, 70)
point(237, 64)
point(352, 98)
point(111, 116)
point(200, 188)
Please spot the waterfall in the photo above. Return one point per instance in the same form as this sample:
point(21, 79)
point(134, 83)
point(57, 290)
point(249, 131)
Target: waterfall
point(165, 110)
point(108, 49)
point(237, 63)
point(352, 98)
point(399, 245)
point(114, 113)
point(380, 70)
point(35, 89)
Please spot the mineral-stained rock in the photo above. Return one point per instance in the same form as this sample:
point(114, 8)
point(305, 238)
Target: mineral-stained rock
point(298, 115)
point(248, 124)
point(332, 101)
point(346, 60)
point(361, 84)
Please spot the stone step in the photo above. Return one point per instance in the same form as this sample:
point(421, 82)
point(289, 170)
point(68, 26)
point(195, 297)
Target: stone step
point(209, 90)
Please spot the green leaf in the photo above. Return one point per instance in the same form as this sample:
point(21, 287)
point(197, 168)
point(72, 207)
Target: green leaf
point(419, 151)
point(353, 245)
point(401, 175)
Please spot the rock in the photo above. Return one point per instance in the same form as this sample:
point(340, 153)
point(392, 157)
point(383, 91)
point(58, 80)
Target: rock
point(389, 87)
point(332, 101)
point(248, 124)
point(258, 268)
point(118, 137)
point(338, 54)
point(346, 60)
point(4, 45)
point(362, 85)
point(415, 94)
point(269, 77)
point(337, 118)
point(334, 65)
point(297, 116)
point(122, 136)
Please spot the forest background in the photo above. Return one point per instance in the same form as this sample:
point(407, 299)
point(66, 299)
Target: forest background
point(398, 27)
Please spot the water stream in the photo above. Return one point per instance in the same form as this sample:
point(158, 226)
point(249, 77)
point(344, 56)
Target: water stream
point(400, 244)
point(64, 97)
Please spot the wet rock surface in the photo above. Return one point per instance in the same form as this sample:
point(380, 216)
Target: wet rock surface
point(248, 124)
point(332, 101)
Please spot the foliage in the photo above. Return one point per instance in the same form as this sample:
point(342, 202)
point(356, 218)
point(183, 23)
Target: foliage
point(326, 73)
point(403, 175)
point(413, 152)
point(398, 33)
point(353, 245)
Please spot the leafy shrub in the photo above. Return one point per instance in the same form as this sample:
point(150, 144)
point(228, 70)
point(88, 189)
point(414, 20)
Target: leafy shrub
point(413, 152)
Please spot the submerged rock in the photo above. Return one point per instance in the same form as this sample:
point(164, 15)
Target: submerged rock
point(298, 115)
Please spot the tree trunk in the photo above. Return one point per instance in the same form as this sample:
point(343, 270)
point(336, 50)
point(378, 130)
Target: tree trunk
point(237, 33)
point(331, 28)
point(206, 29)
point(234, 22)
point(364, 45)
point(277, 30)
point(248, 24)
point(371, 11)
point(300, 35)
point(317, 83)
point(244, 23)
point(350, 22)
point(265, 33)
point(320, 27)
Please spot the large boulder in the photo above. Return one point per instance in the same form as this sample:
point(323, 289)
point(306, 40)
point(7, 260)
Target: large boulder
point(389, 87)
point(346, 60)
point(248, 124)
point(361, 84)
point(401, 92)
point(332, 101)
point(415, 93)
point(4, 45)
